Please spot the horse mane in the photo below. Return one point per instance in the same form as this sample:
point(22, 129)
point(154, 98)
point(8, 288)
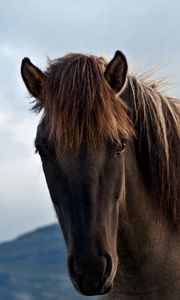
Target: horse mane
point(79, 106)
point(80, 109)
point(156, 119)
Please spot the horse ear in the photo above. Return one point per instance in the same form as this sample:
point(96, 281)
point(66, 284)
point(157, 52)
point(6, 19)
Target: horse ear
point(116, 71)
point(33, 78)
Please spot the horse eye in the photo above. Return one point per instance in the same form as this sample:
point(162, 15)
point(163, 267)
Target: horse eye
point(120, 149)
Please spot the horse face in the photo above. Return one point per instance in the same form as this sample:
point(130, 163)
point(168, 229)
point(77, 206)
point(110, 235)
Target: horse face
point(86, 191)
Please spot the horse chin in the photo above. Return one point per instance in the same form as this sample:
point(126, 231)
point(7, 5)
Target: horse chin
point(100, 290)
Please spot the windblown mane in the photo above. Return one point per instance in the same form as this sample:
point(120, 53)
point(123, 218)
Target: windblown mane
point(79, 106)
point(81, 110)
point(156, 119)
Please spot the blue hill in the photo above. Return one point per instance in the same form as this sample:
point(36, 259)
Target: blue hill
point(32, 267)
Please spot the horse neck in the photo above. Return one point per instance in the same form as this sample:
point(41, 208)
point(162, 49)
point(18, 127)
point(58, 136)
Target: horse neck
point(140, 220)
point(148, 250)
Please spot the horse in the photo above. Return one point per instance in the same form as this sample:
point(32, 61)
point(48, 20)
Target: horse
point(109, 142)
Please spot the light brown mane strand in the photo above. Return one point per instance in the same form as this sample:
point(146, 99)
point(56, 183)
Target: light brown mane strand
point(156, 119)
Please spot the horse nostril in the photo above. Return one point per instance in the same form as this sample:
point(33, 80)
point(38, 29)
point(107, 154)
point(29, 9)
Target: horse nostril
point(90, 273)
point(100, 268)
point(108, 269)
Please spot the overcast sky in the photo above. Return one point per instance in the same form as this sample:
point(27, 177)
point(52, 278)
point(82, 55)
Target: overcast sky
point(41, 28)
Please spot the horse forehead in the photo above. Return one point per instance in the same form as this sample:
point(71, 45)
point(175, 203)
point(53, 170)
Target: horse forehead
point(88, 161)
point(87, 158)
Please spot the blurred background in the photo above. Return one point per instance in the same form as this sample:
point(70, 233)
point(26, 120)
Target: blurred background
point(38, 29)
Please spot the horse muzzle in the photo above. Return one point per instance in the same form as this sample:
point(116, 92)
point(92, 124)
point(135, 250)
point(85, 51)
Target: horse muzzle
point(91, 274)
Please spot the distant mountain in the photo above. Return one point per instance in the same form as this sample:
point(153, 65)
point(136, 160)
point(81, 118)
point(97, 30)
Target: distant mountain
point(32, 267)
